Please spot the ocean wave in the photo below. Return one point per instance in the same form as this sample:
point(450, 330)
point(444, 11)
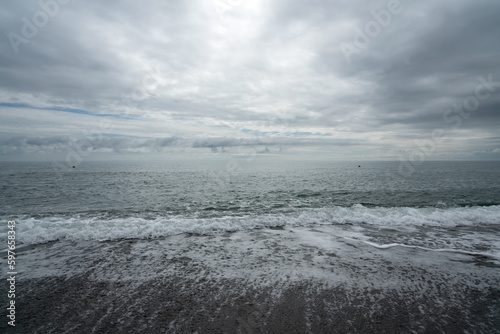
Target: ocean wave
point(35, 230)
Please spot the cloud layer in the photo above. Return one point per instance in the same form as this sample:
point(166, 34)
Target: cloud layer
point(327, 79)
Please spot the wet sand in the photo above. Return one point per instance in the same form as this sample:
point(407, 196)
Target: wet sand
point(262, 281)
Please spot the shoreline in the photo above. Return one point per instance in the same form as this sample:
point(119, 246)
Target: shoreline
point(291, 280)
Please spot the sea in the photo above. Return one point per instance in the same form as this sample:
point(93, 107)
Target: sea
point(452, 206)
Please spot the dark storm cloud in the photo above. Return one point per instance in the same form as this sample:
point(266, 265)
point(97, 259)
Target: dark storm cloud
point(46, 141)
point(91, 143)
point(28, 145)
point(61, 144)
point(233, 142)
point(120, 144)
point(278, 68)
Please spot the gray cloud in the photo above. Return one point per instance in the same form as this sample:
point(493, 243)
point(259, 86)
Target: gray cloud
point(180, 76)
point(91, 143)
point(64, 144)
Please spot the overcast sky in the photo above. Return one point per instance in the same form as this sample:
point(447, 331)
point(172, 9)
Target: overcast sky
point(217, 79)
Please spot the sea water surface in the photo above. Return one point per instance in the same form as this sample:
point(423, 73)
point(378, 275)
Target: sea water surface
point(452, 206)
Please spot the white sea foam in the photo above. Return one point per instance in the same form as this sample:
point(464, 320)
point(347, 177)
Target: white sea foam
point(35, 230)
point(449, 250)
